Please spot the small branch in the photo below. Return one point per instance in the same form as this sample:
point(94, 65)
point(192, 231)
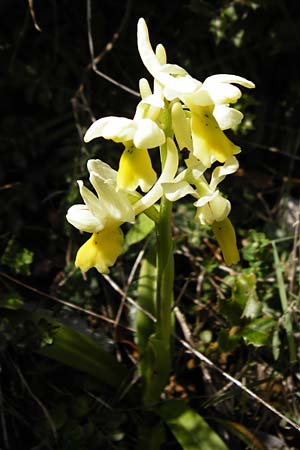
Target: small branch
point(129, 281)
point(32, 13)
point(117, 288)
point(62, 302)
point(287, 318)
point(294, 255)
point(37, 400)
point(108, 47)
point(3, 421)
point(237, 383)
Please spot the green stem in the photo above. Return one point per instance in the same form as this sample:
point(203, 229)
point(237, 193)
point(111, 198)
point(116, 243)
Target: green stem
point(165, 273)
point(155, 364)
point(287, 318)
point(165, 257)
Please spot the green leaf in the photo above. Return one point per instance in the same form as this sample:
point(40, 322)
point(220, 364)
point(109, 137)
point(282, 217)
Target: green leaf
point(189, 428)
point(229, 339)
point(17, 258)
point(81, 352)
point(74, 349)
point(258, 331)
point(243, 304)
point(11, 301)
point(141, 228)
point(151, 437)
point(244, 293)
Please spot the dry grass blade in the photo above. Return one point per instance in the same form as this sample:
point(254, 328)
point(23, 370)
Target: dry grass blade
point(237, 383)
point(63, 302)
point(32, 13)
point(37, 400)
point(108, 47)
point(130, 300)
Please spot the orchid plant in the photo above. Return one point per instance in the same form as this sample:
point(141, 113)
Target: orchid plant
point(179, 113)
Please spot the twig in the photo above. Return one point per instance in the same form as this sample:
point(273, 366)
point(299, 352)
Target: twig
point(32, 13)
point(184, 326)
point(129, 281)
point(237, 383)
point(287, 318)
point(117, 288)
point(294, 255)
point(3, 422)
point(43, 408)
point(95, 60)
point(62, 302)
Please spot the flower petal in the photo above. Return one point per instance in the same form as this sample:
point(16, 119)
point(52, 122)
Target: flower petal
point(81, 218)
point(205, 197)
point(119, 129)
point(175, 191)
point(115, 206)
point(146, 52)
point(230, 166)
point(103, 170)
point(144, 88)
point(216, 209)
point(173, 69)
point(92, 202)
point(226, 78)
point(161, 54)
point(227, 117)
point(148, 134)
point(181, 127)
point(222, 93)
point(182, 84)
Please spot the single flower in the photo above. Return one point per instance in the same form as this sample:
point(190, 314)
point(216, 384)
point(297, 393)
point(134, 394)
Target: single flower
point(177, 83)
point(143, 133)
point(101, 214)
point(174, 77)
point(138, 135)
point(211, 205)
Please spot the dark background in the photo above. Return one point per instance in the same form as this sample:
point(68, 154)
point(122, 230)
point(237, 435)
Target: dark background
point(49, 95)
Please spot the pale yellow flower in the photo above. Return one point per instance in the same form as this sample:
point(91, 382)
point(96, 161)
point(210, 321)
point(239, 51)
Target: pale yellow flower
point(138, 135)
point(177, 83)
point(202, 110)
point(101, 215)
point(211, 205)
